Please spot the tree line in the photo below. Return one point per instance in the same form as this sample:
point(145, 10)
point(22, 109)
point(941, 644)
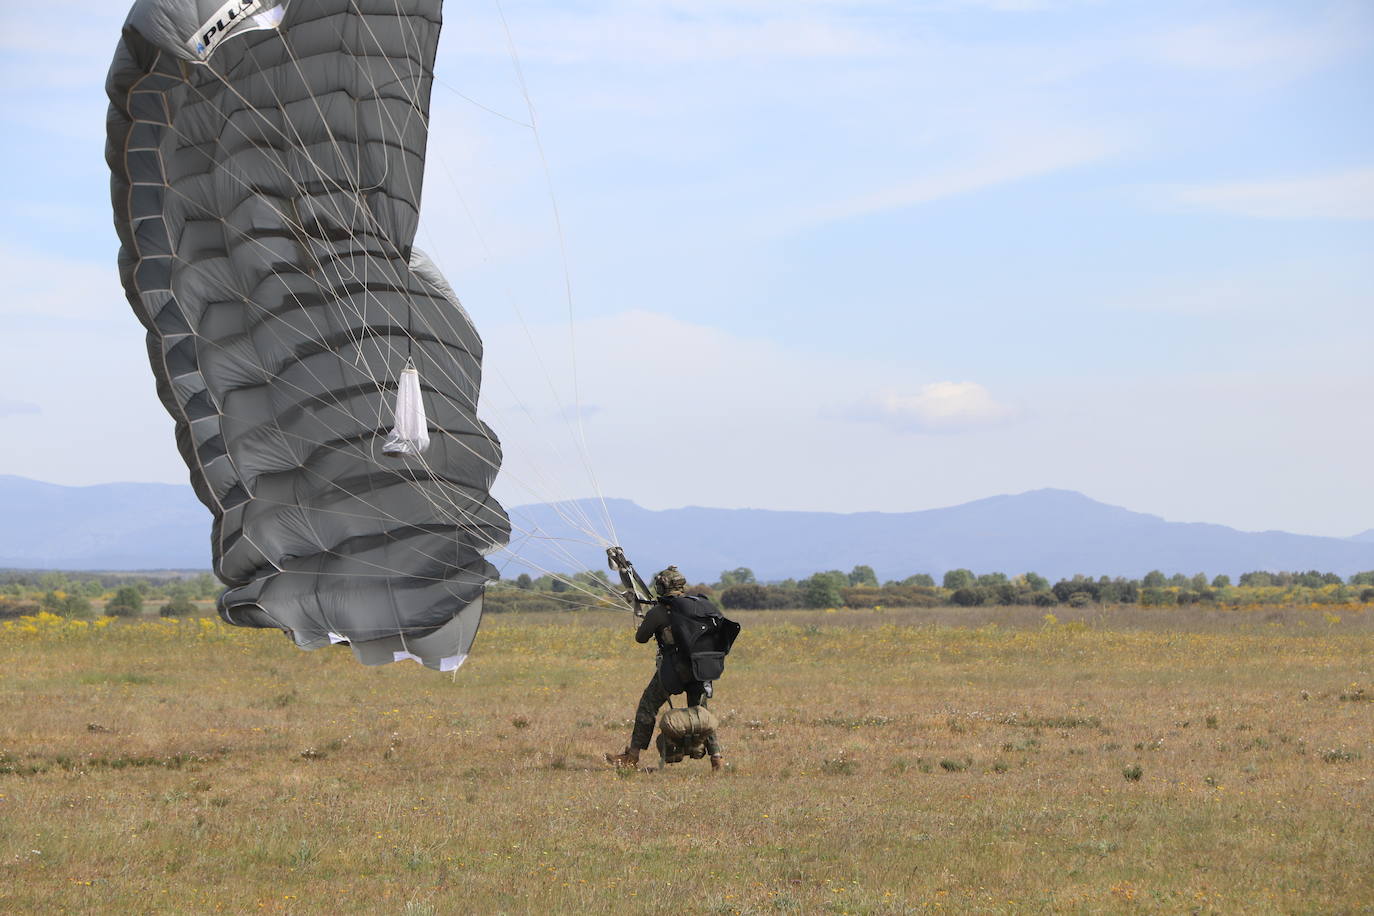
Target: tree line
point(76, 594)
point(739, 589)
point(116, 594)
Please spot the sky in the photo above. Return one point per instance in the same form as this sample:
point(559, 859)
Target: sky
point(823, 255)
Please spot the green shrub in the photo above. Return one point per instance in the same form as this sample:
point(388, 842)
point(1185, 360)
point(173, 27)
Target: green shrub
point(747, 596)
point(179, 606)
point(1158, 597)
point(127, 602)
point(823, 589)
point(972, 596)
point(13, 607)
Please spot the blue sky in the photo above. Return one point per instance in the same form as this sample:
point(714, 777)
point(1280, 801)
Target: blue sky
point(823, 255)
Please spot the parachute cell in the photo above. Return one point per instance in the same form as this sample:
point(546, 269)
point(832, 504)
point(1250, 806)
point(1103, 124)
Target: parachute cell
point(267, 161)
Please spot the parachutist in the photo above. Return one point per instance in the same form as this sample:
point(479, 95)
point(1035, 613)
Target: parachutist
point(693, 639)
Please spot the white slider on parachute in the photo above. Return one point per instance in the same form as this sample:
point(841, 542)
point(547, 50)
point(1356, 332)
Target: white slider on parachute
point(410, 436)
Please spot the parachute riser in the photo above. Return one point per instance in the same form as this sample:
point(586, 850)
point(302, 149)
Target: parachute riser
point(635, 594)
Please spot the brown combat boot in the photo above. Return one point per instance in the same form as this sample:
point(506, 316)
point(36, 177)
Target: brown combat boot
point(626, 759)
point(717, 763)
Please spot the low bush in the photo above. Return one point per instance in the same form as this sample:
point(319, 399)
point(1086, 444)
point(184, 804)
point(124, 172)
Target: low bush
point(121, 610)
point(179, 606)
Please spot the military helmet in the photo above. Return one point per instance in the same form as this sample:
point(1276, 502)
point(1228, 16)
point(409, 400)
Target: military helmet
point(670, 582)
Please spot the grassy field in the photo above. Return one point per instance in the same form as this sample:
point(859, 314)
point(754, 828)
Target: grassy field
point(990, 761)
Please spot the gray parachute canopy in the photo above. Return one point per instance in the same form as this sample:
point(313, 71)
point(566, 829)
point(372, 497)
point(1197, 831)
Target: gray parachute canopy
point(266, 161)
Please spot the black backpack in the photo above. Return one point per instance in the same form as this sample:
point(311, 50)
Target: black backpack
point(702, 634)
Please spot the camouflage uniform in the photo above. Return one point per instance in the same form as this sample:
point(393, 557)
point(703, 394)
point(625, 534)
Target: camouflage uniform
point(652, 700)
point(655, 626)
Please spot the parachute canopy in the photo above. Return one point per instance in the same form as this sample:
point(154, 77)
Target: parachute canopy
point(266, 162)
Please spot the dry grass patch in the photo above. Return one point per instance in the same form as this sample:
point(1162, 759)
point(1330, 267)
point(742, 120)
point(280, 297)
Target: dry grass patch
point(881, 763)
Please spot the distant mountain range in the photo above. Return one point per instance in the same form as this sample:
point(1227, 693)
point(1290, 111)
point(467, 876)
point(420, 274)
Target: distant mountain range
point(108, 526)
point(1056, 533)
point(1053, 532)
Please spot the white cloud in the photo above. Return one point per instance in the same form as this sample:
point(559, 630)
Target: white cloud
point(1344, 195)
point(692, 413)
point(760, 119)
point(939, 407)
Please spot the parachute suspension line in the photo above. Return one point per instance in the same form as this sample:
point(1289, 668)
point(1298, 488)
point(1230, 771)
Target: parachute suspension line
point(307, 440)
point(355, 450)
point(343, 222)
point(414, 97)
point(586, 525)
point(476, 104)
point(584, 522)
point(326, 268)
point(467, 523)
point(339, 268)
point(386, 571)
point(563, 254)
point(417, 106)
point(558, 506)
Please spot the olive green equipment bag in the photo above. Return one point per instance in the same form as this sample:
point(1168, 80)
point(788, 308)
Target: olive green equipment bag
point(682, 732)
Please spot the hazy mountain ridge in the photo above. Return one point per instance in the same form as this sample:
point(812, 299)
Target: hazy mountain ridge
point(106, 526)
point(1056, 533)
point(1053, 532)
